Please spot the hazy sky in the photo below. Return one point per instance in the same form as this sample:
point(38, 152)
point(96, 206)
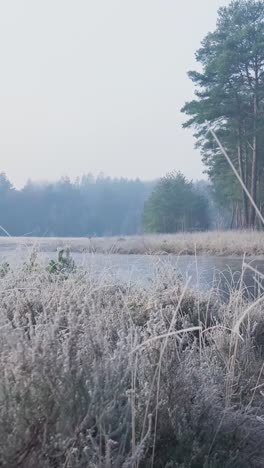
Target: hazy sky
point(97, 86)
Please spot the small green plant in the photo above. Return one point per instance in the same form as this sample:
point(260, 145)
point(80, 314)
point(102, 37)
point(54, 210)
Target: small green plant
point(64, 264)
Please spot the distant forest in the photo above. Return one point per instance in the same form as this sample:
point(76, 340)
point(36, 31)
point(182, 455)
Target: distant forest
point(86, 207)
point(229, 97)
point(102, 206)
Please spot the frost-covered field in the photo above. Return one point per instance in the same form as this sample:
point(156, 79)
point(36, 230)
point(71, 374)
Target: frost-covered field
point(224, 243)
point(94, 373)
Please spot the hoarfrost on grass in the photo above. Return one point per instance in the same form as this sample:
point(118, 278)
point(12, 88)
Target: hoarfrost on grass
point(97, 374)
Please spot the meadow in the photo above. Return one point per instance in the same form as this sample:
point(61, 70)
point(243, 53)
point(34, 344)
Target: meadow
point(97, 374)
point(221, 243)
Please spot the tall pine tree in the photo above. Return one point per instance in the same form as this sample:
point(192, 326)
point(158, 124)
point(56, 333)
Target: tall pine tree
point(230, 96)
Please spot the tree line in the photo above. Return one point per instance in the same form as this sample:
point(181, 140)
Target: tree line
point(88, 206)
point(103, 206)
point(230, 97)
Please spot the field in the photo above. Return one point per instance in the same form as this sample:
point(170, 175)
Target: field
point(222, 243)
point(94, 374)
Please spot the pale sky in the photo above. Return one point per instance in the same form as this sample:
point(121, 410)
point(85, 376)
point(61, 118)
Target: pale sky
point(97, 86)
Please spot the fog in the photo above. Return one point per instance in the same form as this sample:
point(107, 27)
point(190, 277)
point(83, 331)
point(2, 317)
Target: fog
point(97, 86)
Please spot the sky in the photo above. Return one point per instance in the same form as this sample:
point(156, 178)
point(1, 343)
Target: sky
point(97, 86)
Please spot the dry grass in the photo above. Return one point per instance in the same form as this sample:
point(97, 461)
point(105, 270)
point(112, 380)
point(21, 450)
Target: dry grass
point(93, 374)
point(224, 243)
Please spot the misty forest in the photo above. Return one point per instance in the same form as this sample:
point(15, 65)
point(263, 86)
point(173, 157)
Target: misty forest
point(229, 92)
point(103, 206)
point(132, 310)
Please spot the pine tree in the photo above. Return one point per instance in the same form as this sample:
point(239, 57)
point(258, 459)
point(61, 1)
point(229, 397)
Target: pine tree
point(230, 96)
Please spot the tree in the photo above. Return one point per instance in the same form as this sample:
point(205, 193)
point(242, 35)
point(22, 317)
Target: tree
point(175, 205)
point(5, 184)
point(230, 96)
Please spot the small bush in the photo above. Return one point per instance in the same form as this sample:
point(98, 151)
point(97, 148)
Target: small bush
point(64, 264)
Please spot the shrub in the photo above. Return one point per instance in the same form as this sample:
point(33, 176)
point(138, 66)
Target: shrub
point(64, 264)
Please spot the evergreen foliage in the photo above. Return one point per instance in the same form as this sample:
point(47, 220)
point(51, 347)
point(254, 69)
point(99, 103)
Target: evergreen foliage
point(175, 205)
point(86, 207)
point(230, 97)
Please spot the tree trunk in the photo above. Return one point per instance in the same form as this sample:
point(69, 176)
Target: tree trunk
point(245, 220)
point(233, 217)
point(247, 158)
point(254, 173)
point(254, 154)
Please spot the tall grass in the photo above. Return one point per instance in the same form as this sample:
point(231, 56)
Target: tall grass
point(221, 243)
point(93, 374)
